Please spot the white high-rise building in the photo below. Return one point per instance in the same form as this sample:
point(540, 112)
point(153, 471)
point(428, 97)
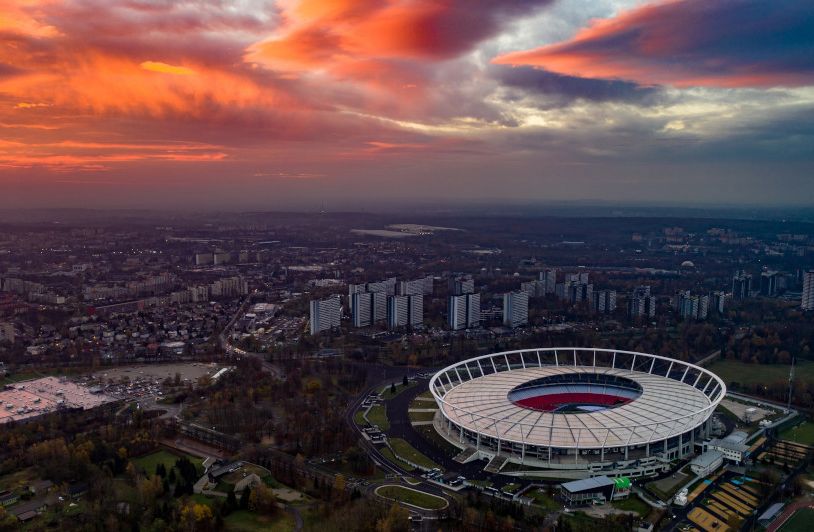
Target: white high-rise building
point(690, 306)
point(416, 310)
point(549, 277)
point(361, 304)
point(741, 285)
point(718, 301)
point(415, 287)
point(388, 286)
point(461, 285)
point(376, 293)
point(515, 309)
point(398, 311)
point(808, 291)
point(379, 306)
point(533, 288)
point(464, 311)
point(405, 310)
point(604, 301)
point(325, 314)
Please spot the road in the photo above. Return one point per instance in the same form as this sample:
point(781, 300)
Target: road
point(229, 349)
point(396, 473)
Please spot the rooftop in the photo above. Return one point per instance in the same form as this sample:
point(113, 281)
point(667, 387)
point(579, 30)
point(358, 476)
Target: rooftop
point(586, 484)
point(27, 399)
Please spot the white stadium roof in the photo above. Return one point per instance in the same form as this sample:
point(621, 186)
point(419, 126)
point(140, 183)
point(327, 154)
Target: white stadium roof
point(477, 399)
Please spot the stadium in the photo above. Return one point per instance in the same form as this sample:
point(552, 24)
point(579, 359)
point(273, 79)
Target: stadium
point(575, 412)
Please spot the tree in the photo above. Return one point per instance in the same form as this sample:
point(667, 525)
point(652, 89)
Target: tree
point(244, 498)
point(196, 517)
point(396, 520)
point(339, 486)
point(231, 502)
point(262, 500)
point(404, 381)
point(393, 387)
point(7, 521)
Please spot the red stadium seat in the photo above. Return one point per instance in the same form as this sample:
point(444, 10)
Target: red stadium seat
point(552, 402)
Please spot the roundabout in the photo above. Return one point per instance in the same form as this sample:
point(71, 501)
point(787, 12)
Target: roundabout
point(578, 411)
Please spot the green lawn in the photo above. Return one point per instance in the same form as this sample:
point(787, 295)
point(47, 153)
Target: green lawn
point(421, 416)
point(200, 498)
point(411, 496)
point(429, 433)
point(510, 488)
point(802, 433)
point(148, 463)
point(735, 371)
point(246, 521)
point(405, 450)
point(582, 521)
point(378, 416)
point(17, 377)
point(633, 504)
point(18, 479)
point(799, 522)
point(387, 453)
point(225, 487)
point(542, 499)
point(359, 417)
point(387, 394)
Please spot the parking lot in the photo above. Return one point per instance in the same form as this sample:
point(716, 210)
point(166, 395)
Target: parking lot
point(132, 382)
point(747, 413)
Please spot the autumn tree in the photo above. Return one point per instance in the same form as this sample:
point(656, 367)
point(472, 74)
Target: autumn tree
point(262, 500)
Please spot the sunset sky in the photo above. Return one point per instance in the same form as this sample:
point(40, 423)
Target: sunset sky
point(292, 104)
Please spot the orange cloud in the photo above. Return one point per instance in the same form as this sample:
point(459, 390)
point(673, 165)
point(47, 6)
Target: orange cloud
point(164, 68)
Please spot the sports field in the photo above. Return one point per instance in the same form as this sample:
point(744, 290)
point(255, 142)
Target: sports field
point(735, 371)
point(801, 521)
point(802, 433)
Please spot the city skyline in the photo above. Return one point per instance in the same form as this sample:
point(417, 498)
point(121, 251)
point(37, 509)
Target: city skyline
point(290, 104)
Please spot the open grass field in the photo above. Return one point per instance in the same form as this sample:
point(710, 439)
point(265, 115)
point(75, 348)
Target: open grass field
point(429, 434)
point(542, 499)
point(388, 394)
point(801, 521)
point(421, 416)
point(246, 521)
point(359, 418)
point(633, 504)
point(148, 463)
point(405, 450)
point(734, 371)
point(413, 497)
point(18, 479)
point(377, 415)
point(17, 377)
point(581, 521)
point(387, 453)
point(802, 433)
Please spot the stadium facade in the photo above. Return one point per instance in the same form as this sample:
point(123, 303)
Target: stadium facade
point(576, 412)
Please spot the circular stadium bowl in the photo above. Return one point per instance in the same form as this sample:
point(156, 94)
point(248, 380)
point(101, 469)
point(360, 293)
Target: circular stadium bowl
point(576, 412)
